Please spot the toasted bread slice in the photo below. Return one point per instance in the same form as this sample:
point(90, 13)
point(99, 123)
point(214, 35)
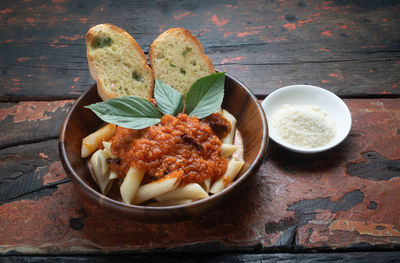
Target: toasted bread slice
point(177, 58)
point(117, 63)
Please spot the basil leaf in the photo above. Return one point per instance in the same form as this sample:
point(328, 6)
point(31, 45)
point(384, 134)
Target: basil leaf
point(169, 100)
point(129, 112)
point(205, 95)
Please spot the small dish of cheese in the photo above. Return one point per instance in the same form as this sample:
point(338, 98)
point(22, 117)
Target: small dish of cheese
point(306, 119)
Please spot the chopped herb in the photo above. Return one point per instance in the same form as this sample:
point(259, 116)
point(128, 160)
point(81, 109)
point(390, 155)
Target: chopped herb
point(187, 50)
point(136, 76)
point(107, 42)
point(183, 71)
point(96, 43)
point(101, 42)
point(193, 62)
point(172, 65)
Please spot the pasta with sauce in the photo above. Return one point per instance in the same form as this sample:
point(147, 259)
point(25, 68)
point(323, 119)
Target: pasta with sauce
point(177, 161)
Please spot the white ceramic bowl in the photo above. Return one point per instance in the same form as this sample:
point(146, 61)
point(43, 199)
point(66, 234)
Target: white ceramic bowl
point(309, 95)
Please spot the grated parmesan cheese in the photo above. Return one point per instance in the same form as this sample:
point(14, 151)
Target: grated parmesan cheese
point(304, 125)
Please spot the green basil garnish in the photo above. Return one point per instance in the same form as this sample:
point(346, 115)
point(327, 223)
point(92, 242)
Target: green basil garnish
point(169, 100)
point(204, 97)
point(129, 112)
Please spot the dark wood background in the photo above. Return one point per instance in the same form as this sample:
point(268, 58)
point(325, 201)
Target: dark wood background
point(346, 199)
point(348, 47)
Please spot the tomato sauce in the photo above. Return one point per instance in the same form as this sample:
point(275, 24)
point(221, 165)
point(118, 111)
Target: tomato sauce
point(176, 143)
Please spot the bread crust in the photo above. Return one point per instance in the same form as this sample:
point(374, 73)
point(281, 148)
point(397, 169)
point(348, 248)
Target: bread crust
point(94, 72)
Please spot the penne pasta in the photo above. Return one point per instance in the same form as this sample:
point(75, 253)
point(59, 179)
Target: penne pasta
point(231, 135)
point(131, 184)
point(92, 142)
point(228, 149)
point(234, 166)
point(107, 149)
point(151, 190)
point(191, 191)
point(206, 184)
point(101, 169)
point(112, 175)
point(170, 202)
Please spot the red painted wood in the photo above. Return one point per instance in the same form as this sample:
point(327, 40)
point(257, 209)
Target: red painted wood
point(295, 202)
point(31, 121)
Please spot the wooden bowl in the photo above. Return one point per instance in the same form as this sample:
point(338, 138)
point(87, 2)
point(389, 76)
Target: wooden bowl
point(79, 122)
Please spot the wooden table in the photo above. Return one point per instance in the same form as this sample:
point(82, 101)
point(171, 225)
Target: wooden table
point(343, 200)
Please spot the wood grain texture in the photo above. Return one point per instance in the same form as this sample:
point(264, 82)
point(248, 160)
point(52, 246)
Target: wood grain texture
point(31, 121)
point(344, 199)
point(334, 200)
point(349, 47)
point(30, 171)
point(218, 258)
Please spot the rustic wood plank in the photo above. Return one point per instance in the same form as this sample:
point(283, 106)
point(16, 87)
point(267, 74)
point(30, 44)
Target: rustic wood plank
point(30, 171)
point(341, 199)
point(31, 121)
point(355, 257)
point(348, 47)
point(333, 76)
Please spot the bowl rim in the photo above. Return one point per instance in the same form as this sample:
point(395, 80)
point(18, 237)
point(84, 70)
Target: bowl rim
point(110, 203)
point(328, 93)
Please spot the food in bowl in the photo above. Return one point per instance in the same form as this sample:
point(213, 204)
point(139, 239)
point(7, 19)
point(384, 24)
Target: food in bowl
point(175, 151)
point(176, 161)
point(251, 137)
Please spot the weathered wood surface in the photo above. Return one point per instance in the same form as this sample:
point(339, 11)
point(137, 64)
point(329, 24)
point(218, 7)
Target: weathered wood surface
point(31, 121)
point(344, 199)
point(349, 47)
point(219, 258)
